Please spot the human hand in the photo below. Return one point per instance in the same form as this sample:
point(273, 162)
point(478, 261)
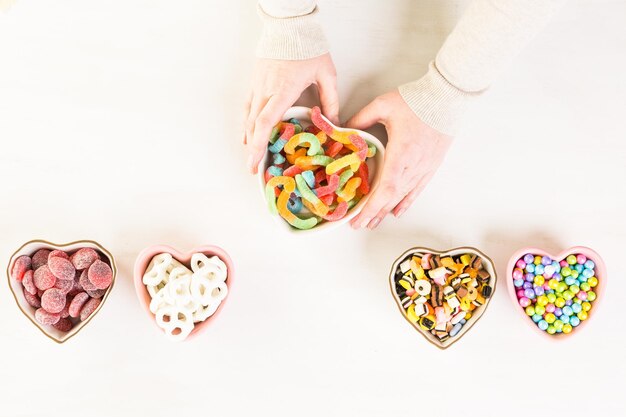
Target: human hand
point(276, 86)
point(413, 154)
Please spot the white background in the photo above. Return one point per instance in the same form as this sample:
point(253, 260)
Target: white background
point(120, 121)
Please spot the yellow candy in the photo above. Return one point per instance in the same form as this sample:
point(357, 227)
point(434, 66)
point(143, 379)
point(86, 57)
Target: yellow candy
point(291, 158)
point(542, 300)
point(416, 268)
point(537, 260)
point(539, 280)
point(351, 160)
point(468, 316)
point(586, 306)
point(593, 281)
point(465, 259)
point(288, 184)
point(582, 315)
point(349, 190)
point(550, 318)
point(410, 313)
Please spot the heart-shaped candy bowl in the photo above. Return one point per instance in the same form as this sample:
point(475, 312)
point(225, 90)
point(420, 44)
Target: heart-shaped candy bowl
point(556, 294)
point(316, 176)
point(442, 293)
point(61, 287)
point(183, 292)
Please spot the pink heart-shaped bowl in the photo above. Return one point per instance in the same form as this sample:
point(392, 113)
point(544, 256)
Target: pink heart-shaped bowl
point(143, 260)
point(29, 248)
point(600, 274)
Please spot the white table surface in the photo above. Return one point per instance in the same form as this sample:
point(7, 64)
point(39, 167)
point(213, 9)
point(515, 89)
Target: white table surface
point(120, 122)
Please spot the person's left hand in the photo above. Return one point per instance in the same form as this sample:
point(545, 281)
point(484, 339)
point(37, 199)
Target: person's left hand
point(413, 154)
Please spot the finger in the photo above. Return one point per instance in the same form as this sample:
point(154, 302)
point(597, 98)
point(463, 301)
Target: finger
point(329, 99)
point(256, 105)
point(411, 196)
point(390, 204)
point(271, 114)
point(393, 168)
point(367, 117)
point(246, 114)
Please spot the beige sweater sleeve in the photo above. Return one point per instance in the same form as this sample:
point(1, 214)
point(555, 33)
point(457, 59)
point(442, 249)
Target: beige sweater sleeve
point(488, 36)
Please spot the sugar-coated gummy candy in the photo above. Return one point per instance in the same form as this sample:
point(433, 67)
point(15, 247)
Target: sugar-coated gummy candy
point(64, 324)
point(76, 287)
point(20, 266)
point(46, 318)
point(53, 300)
point(84, 282)
point(83, 258)
point(40, 258)
point(59, 253)
point(77, 303)
point(66, 308)
point(29, 283)
point(64, 285)
point(100, 275)
point(89, 307)
point(43, 278)
point(327, 164)
point(97, 293)
point(61, 268)
point(32, 299)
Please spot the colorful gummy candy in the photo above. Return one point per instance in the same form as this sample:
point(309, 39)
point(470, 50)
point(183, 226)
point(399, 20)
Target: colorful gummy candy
point(439, 294)
point(182, 297)
point(62, 288)
point(557, 296)
point(318, 173)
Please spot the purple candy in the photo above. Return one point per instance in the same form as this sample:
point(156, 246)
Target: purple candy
point(529, 277)
point(528, 258)
point(558, 312)
point(539, 291)
point(527, 285)
point(569, 302)
point(546, 260)
point(529, 293)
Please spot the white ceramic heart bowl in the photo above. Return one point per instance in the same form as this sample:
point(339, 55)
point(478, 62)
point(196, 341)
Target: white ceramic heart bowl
point(303, 114)
point(29, 248)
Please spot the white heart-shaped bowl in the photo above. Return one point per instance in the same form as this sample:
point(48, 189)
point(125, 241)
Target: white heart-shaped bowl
point(487, 264)
point(303, 114)
point(29, 248)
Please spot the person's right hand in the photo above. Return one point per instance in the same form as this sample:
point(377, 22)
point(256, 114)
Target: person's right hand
point(276, 86)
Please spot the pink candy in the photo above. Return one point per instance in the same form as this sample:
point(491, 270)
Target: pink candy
point(100, 275)
point(63, 288)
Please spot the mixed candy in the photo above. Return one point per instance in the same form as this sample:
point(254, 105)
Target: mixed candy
point(439, 294)
point(63, 288)
point(557, 296)
point(182, 297)
point(317, 173)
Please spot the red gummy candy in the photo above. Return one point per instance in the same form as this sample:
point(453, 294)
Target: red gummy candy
point(333, 149)
point(84, 257)
point(64, 285)
point(360, 144)
point(66, 309)
point(59, 253)
point(40, 258)
point(84, 282)
point(61, 268)
point(28, 283)
point(53, 300)
point(77, 304)
point(364, 174)
point(64, 324)
point(76, 287)
point(43, 278)
point(20, 266)
point(338, 213)
point(328, 199)
point(287, 130)
point(45, 317)
point(31, 299)
point(90, 306)
point(96, 293)
point(100, 275)
point(333, 183)
point(292, 171)
point(319, 122)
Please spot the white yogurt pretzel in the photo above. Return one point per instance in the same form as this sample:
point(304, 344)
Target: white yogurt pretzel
point(178, 318)
point(185, 296)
